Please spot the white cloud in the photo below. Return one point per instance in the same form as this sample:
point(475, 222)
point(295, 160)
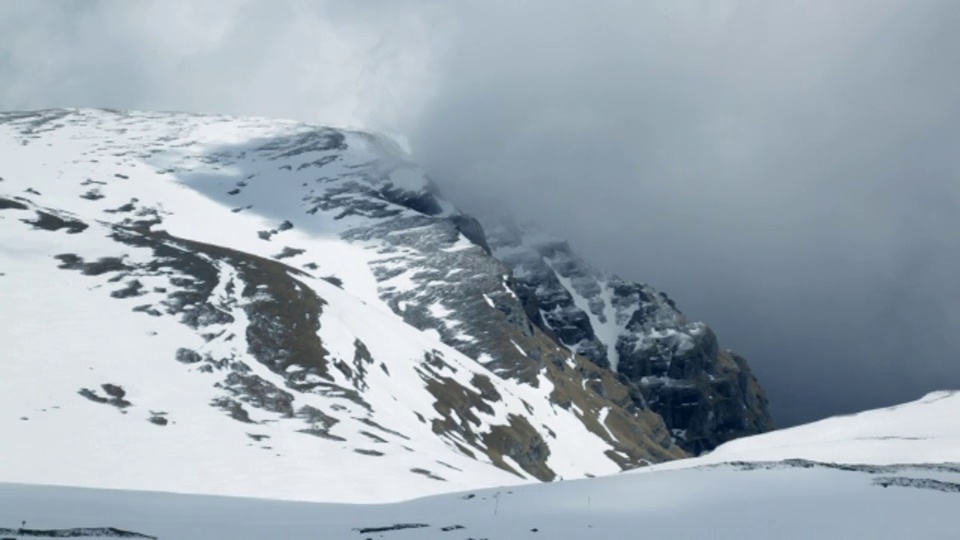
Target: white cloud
point(325, 62)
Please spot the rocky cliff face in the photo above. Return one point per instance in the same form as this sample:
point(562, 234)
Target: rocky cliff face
point(705, 394)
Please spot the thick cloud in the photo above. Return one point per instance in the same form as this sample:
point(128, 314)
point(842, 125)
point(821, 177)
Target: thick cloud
point(785, 170)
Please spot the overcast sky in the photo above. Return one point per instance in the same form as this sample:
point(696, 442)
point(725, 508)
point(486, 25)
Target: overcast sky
point(787, 170)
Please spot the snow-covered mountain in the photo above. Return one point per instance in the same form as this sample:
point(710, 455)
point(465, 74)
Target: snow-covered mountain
point(705, 394)
point(194, 306)
point(206, 304)
point(889, 473)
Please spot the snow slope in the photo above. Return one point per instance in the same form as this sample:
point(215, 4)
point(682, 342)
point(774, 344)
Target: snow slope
point(848, 495)
point(840, 497)
point(922, 431)
point(783, 502)
point(199, 304)
point(67, 333)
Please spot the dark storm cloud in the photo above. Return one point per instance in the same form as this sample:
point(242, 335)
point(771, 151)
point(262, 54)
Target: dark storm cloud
point(786, 170)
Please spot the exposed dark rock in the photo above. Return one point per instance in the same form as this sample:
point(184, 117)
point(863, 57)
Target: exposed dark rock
point(316, 140)
point(132, 288)
point(258, 393)
point(92, 195)
point(333, 280)
point(288, 252)
point(114, 396)
point(397, 527)
point(148, 309)
point(124, 208)
point(521, 442)
point(423, 202)
point(7, 204)
point(114, 391)
point(911, 468)
point(316, 432)
point(487, 390)
point(373, 437)
point(51, 222)
point(428, 474)
point(233, 409)
point(70, 261)
point(319, 422)
point(921, 483)
point(471, 230)
point(317, 163)
point(368, 452)
point(80, 532)
point(187, 356)
point(283, 313)
point(373, 424)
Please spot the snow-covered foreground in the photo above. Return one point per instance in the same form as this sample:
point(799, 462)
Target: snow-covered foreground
point(722, 502)
point(858, 491)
